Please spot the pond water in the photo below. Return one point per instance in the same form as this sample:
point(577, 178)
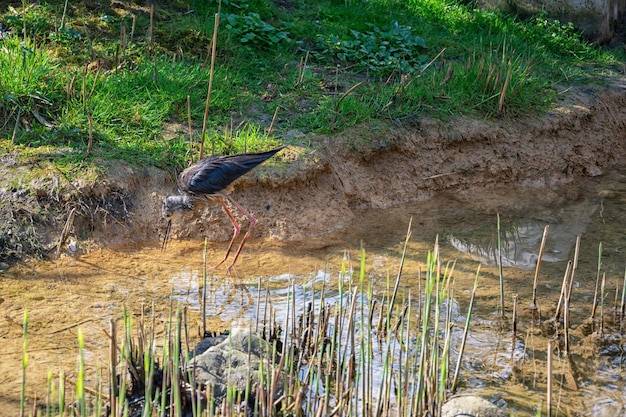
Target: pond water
point(87, 292)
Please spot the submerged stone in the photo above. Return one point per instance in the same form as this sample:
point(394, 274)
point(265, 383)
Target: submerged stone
point(470, 406)
point(233, 362)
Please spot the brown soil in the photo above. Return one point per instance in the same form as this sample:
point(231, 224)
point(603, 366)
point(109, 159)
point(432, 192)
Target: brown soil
point(317, 193)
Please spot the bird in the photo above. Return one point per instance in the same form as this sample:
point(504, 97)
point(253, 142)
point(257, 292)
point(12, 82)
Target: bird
point(211, 179)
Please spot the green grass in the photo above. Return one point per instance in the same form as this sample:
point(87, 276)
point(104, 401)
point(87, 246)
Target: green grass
point(410, 60)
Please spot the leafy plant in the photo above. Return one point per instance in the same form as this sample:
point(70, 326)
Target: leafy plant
point(381, 51)
point(249, 29)
point(559, 38)
point(35, 20)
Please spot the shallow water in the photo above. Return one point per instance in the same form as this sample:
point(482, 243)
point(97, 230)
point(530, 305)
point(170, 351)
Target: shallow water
point(86, 292)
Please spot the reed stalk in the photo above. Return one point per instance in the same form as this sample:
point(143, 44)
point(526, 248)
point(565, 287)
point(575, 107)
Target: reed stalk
point(113, 388)
point(402, 259)
point(210, 87)
point(204, 286)
point(622, 305)
point(595, 293)
point(500, 274)
point(468, 319)
point(564, 287)
point(505, 87)
point(190, 126)
point(536, 278)
point(549, 382)
point(24, 363)
point(602, 298)
point(80, 379)
point(90, 138)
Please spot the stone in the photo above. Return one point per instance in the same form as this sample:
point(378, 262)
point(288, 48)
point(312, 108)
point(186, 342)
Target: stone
point(233, 362)
point(470, 406)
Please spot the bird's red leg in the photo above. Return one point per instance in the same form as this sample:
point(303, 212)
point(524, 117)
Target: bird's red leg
point(235, 234)
point(252, 221)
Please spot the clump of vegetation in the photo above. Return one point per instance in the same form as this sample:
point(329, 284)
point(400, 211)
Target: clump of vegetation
point(352, 344)
point(379, 51)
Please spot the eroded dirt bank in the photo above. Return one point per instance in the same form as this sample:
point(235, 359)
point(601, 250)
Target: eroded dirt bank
point(318, 193)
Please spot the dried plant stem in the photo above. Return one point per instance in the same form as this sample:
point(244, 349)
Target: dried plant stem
point(17, 124)
point(513, 329)
point(501, 276)
point(303, 63)
point(210, 87)
point(90, 139)
point(564, 288)
point(64, 16)
point(69, 223)
point(189, 125)
point(622, 305)
point(468, 319)
point(151, 27)
point(595, 293)
point(566, 323)
point(549, 382)
point(397, 284)
point(507, 80)
point(132, 28)
point(541, 249)
point(113, 388)
point(602, 297)
point(204, 286)
point(271, 128)
point(346, 94)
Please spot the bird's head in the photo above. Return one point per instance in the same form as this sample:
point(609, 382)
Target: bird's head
point(175, 206)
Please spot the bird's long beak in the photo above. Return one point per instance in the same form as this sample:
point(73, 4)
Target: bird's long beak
point(167, 235)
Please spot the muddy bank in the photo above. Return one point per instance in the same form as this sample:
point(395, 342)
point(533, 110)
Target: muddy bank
point(318, 191)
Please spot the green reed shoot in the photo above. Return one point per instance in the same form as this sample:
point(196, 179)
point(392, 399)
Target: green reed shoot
point(80, 380)
point(49, 393)
point(61, 393)
point(24, 363)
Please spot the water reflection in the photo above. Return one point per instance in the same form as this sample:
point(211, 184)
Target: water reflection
point(521, 239)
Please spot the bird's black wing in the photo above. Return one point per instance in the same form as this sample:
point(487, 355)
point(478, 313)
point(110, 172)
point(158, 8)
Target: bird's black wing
point(216, 173)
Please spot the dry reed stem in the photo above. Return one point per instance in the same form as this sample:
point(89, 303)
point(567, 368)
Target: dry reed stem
point(210, 87)
point(301, 69)
point(189, 125)
point(271, 128)
point(539, 257)
point(595, 293)
point(69, 223)
point(564, 287)
point(602, 296)
point(344, 95)
point(90, 139)
point(507, 80)
point(549, 382)
point(151, 27)
point(113, 388)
